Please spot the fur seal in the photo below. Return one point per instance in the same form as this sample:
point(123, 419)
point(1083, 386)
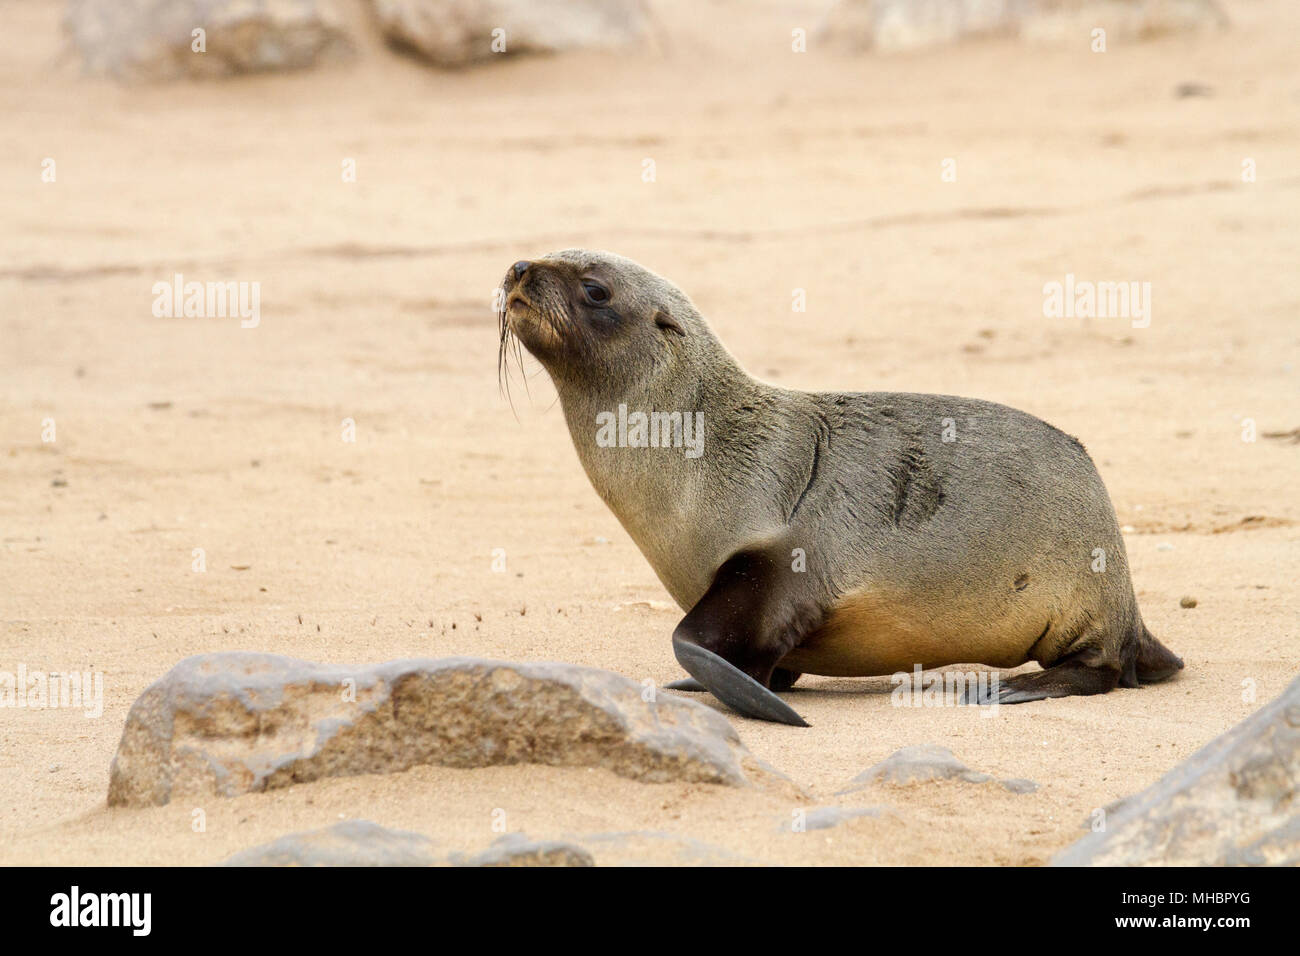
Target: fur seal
point(846, 534)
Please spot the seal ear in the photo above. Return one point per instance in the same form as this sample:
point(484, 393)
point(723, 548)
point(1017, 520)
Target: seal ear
point(668, 323)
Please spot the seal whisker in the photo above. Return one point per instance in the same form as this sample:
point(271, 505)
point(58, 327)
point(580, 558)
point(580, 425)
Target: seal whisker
point(507, 339)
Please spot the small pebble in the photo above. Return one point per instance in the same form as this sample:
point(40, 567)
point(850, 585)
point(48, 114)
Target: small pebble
point(1187, 601)
point(1164, 546)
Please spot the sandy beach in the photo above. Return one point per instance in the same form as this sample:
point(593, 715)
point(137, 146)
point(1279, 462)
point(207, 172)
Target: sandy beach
point(775, 172)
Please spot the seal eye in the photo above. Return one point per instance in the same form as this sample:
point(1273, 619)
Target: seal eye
point(596, 293)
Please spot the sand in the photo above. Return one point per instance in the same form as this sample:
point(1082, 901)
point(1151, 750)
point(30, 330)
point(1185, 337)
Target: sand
point(775, 171)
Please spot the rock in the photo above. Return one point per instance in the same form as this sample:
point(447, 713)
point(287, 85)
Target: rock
point(1231, 803)
point(362, 843)
point(515, 849)
point(226, 724)
point(924, 763)
point(350, 843)
point(892, 25)
point(150, 40)
point(657, 848)
point(460, 32)
point(823, 818)
point(1187, 601)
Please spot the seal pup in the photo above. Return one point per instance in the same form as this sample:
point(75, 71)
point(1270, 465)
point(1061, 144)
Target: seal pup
point(846, 534)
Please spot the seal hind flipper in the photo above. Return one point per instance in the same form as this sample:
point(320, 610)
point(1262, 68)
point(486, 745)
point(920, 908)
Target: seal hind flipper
point(1073, 677)
point(1155, 662)
point(688, 684)
point(733, 637)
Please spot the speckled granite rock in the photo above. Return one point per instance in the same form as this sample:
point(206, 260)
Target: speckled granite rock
point(823, 818)
point(362, 843)
point(350, 843)
point(1233, 802)
point(460, 32)
point(226, 724)
point(928, 762)
point(515, 849)
point(658, 848)
point(892, 25)
point(151, 40)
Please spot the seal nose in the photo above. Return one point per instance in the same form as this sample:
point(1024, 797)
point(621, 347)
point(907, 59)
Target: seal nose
point(521, 267)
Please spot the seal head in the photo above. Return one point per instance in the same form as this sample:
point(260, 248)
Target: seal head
point(599, 321)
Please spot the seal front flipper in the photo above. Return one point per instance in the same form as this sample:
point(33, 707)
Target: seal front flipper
point(731, 640)
point(733, 686)
point(781, 680)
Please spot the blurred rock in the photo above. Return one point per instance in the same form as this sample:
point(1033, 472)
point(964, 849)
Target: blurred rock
point(150, 40)
point(226, 724)
point(515, 849)
point(823, 818)
point(1231, 803)
point(924, 763)
point(658, 848)
point(891, 25)
point(362, 843)
point(460, 32)
point(350, 843)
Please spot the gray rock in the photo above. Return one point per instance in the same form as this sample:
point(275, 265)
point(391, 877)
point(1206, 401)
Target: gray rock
point(1233, 802)
point(149, 40)
point(460, 32)
point(227, 724)
point(892, 25)
point(658, 848)
point(362, 843)
point(515, 849)
point(350, 843)
point(823, 818)
point(924, 763)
